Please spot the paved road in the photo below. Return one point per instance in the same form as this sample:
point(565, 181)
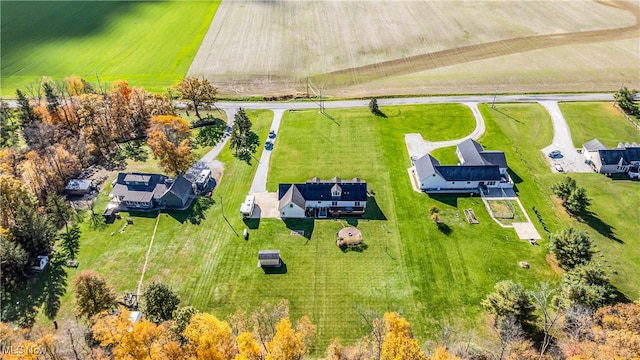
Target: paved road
point(418, 147)
point(418, 100)
point(259, 184)
point(571, 160)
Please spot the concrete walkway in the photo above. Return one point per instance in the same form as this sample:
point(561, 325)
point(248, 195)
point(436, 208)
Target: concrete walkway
point(418, 146)
point(571, 160)
point(259, 184)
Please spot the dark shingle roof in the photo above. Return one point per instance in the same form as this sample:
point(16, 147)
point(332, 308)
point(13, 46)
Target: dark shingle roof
point(494, 158)
point(269, 254)
point(469, 172)
point(142, 190)
point(633, 153)
point(613, 157)
point(322, 191)
point(181, 186)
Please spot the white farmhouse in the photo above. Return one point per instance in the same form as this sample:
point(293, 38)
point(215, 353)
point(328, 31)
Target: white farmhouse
point(322, 198)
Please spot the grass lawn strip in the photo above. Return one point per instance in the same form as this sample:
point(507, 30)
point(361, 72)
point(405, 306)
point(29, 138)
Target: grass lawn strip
point(599, 120)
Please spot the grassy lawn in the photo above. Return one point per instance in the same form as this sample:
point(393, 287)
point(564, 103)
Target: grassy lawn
point(506, 211)
point(147, 43)
point(614, 220)
point(433, 278)
point(598, 120)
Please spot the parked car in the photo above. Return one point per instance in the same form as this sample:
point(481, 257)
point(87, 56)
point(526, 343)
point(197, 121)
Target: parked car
point(559, 168)
point(268, 145)
point(555, 154)
point(272, 134)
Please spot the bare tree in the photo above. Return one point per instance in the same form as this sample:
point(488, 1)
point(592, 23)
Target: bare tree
point(543, 296)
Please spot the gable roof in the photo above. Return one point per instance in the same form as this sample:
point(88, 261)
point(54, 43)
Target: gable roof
point(613, 157)
point(473, 153)
point(289, 193)
point(321, 191)
point(139, 187)
point(181, 186)
point(594, 145)
point(469, 172)
point(425, 166)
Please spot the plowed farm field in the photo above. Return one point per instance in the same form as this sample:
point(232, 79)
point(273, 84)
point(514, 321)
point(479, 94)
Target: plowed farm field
point(363, 48)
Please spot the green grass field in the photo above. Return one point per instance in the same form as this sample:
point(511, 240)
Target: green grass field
point(598, 120)
point(432, 278)
point(147, 43)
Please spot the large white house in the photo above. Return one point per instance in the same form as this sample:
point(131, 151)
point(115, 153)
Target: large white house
point(623, 159)
point(322, 198)
point(478, 169)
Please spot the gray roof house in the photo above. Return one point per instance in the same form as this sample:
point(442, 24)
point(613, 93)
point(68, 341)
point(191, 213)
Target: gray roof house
point(623, 159)
point(478, 169)
point(144, 192)
point(78, 187)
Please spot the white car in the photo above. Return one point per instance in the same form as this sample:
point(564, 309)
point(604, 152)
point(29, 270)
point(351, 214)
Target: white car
point(558, 168)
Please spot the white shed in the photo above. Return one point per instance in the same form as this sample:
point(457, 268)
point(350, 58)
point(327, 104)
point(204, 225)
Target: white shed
point(135, 316)
point(269, 258)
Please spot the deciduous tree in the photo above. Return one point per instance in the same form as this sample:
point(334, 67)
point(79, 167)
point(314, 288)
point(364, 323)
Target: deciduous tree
point(198, 91)
point(169, 141)
point(13, 195)
point(248, 347)
point(399, 343)
point(286, 343)
point(92, 294)
point(571, 247)
point(159, 302)
point(209, 338)
point(625, 99)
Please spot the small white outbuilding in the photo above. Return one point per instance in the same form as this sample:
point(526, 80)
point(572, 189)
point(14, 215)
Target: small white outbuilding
point(269, 258)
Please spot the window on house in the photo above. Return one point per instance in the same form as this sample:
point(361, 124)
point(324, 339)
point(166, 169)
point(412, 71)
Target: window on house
point(357, 203)
point(468, 182)
point(290, 205)
point(334, 203)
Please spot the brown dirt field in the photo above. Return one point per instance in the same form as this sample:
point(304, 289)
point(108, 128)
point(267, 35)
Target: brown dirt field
point(360, 48)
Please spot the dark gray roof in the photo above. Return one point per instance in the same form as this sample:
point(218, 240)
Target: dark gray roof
point(269, 254)
point(139, 186)
point(469, 172)
point(474, 154)
point(613, 157)
point(494, 158)
point(594, 145)
point(292, 194)
point(633, 153)
point(425, 166)
point(181, 186)
point(322, 191)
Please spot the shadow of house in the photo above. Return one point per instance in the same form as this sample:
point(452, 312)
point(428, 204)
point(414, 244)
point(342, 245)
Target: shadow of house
point(449, 199)
point(514, 176)
point(305, 225)
point(373, 210)
point(196, 213)
point(351, 220)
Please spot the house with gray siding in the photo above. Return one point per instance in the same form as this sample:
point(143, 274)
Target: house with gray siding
point(146, 192)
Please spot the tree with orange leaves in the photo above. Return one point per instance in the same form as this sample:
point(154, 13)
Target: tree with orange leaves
point(209, 338)
point(399, 343)
point(169, 140)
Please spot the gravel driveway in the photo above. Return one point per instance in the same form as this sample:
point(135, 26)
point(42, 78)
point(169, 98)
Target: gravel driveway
point(571, 160)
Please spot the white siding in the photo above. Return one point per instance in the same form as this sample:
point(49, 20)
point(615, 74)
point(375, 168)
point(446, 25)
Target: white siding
point(291, 210)
point(327, 204)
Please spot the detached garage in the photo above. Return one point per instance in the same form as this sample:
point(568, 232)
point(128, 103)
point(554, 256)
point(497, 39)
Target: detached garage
point(269, 258)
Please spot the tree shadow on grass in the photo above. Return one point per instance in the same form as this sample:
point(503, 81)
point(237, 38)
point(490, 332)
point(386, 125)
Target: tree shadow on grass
point(357, 248)
point(273, 270)
point(600, 226)
point(373, 210)
point(41, 290)
point(196, 213)
point(444, 228)
point(134, 150)
point(305, 225)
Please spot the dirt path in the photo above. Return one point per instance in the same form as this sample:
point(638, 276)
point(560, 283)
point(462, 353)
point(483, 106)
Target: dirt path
point(146, 258)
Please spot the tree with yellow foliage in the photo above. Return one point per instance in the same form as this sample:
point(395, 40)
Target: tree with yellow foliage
point(168, 138)
point(286, 344)
point(399, 343)
point(248, 347)
point(209, 338)
point(141, 340)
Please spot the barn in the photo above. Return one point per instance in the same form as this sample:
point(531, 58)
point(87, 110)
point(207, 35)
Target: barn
point(269, 258)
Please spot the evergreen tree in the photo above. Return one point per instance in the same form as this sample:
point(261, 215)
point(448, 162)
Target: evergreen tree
point(159, 302)
point(26, 114)
point(571, 247)
point(587, 285)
